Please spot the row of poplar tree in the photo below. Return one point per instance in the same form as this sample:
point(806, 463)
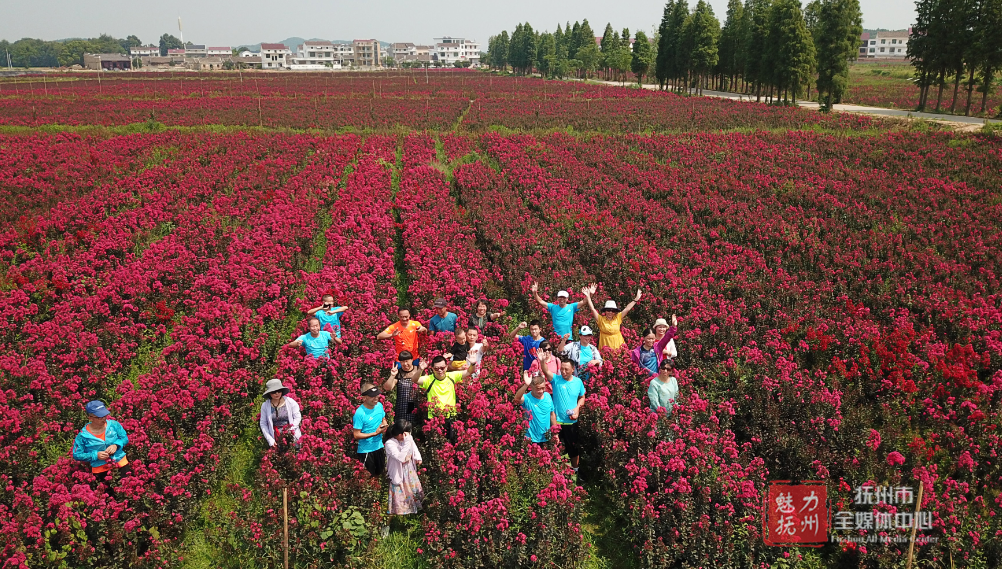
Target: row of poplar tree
point(958, 41)
point(768, 48)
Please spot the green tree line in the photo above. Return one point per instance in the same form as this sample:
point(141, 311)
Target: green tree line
point(29, 52)
point(571, 51)
point(958, 41)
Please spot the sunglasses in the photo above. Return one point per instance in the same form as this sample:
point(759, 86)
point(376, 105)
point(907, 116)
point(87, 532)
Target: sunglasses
point(440, 368)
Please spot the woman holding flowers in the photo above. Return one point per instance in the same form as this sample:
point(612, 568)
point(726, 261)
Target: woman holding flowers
point(279, 414)
point(100, 442)
point(610, 320)
point(402, 462)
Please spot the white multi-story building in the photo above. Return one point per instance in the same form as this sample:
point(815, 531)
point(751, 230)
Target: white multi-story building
point(409, 52)
point(367, 53)
point(195, 50)
point(218, 51)
point(885, 44)
point(315, 56)
point(449, 50)
point(144, 51)
point(275, 56)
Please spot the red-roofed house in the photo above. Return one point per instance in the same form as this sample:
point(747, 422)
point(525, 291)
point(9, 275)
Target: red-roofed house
point(274, 56)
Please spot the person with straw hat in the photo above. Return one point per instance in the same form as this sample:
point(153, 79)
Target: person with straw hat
point(610, 320)
point(279, 414)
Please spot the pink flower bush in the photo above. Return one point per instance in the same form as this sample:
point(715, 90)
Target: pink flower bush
point(837, 295)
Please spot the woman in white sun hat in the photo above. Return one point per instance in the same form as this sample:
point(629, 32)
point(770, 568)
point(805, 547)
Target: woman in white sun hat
point(279, 413)
point(610, 320)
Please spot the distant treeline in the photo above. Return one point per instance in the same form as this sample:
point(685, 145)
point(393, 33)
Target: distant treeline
point(30, 52)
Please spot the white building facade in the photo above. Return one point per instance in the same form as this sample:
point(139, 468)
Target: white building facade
point(888, 45)
point(315, 56)
point(449, 50)
point(220, 51)
point(144, 51)
point(275, 56)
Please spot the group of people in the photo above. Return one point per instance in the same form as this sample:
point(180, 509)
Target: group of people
point(551, 391)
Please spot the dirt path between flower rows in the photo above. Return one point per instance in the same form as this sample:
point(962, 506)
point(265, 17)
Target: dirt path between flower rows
point(958, 123)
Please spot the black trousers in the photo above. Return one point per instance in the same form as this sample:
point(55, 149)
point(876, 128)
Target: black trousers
point(119, 473)
point(570, 437)
point(374, 462)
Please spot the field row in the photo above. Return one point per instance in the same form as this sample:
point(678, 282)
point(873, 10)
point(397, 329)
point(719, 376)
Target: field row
point(461, 101)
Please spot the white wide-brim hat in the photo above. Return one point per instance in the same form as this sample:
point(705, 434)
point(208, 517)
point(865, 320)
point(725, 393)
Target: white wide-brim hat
point(274, 385)
point(610, 305)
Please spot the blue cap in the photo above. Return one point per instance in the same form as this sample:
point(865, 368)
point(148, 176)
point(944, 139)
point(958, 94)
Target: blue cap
point(97, 409)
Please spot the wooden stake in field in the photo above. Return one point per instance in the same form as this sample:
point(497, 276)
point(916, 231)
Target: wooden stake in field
point(285, 515)
point(918, 508)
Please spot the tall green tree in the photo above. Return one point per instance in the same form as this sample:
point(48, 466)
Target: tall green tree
point(167, 42)
point(792, 49)
point(700, 35)
point(522, 51)
point(757, 44)
point(610, 43)
point(546, 49)
point(661, 62)
point(731, 40)
point(129, 43)
point(587, 51)
point(989, 42)
point(641, 61)
point(837, 31)
point(678, 58)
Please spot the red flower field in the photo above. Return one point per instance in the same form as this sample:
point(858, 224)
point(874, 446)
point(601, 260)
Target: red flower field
point(836, 281)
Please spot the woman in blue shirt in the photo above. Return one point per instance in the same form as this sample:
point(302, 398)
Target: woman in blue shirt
point(100, 443)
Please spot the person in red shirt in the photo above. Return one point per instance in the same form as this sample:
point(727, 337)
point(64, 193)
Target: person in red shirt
point(404, 333)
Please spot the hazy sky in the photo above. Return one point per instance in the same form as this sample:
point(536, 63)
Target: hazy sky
point(253, 21)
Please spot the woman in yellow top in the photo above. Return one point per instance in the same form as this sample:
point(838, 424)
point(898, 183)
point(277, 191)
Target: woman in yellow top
point(609, 322)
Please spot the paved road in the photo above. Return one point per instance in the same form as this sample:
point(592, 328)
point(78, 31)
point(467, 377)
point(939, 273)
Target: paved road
point(846, 108)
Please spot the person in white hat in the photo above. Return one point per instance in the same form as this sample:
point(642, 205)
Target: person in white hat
point(651, 351)
point(609, 321)
point(561, 312)
point(660, 329)
point(584, 354)
point(279, 413)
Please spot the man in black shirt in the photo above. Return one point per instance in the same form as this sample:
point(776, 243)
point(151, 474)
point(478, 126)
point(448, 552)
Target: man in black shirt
point(404, 378)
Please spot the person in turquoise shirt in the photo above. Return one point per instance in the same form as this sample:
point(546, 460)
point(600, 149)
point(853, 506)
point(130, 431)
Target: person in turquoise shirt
point(663, 390)
point(568, 396)
point(562, 312)
point(101, 443)
point(444, 321)
point(368, 425)
point(329, 316)
point(316, 341)
point(538, 406)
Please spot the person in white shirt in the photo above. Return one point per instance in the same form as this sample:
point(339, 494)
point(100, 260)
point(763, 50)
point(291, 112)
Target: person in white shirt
point(584, 354)
point(403, 459)
point(279, 414)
